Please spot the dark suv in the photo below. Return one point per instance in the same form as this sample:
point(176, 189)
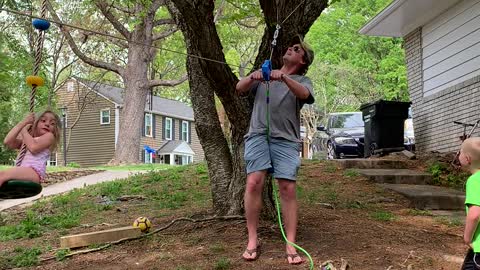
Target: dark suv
point(343, 136)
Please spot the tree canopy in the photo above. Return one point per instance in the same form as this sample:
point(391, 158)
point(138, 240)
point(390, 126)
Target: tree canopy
point(351, 68)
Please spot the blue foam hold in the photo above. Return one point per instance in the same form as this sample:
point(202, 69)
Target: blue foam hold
point(266, 70)
point(41, 24)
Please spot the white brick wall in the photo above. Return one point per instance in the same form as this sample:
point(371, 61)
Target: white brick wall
point(433, 116)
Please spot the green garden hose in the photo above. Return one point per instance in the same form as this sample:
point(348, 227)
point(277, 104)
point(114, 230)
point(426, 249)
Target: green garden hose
point(275, 195)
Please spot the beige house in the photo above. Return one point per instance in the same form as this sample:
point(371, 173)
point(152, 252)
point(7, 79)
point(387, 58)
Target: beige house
point(442, 48)
point(92, 114)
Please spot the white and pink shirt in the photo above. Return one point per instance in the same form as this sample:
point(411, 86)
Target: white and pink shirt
point(38, 162)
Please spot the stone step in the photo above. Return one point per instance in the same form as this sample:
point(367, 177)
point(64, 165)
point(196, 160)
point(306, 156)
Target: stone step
point(395, 176)
point(430, 197)
point(367, 163)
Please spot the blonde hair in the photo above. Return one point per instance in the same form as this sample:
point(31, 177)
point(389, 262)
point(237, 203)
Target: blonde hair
point(56, 128)
point(471, 147)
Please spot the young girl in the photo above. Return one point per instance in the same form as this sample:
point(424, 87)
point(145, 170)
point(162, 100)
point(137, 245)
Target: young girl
point(43, 139)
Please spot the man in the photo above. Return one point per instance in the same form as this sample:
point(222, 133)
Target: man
point(279, 150)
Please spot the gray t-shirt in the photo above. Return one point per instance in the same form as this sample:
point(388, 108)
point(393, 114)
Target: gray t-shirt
point(284, 109)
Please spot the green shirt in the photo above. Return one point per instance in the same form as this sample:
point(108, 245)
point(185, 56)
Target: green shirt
point(472, 197)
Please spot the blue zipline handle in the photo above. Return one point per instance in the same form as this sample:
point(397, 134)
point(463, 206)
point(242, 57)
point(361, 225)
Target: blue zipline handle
point(266, 70)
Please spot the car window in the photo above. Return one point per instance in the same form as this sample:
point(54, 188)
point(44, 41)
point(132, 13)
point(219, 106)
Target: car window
point(346, 120)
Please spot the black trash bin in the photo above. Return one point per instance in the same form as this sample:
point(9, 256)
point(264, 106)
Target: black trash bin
point(384, 124)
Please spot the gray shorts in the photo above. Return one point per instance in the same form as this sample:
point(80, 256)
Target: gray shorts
point(280, 156)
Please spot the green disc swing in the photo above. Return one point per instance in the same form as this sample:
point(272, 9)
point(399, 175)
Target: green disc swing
point(16, 189)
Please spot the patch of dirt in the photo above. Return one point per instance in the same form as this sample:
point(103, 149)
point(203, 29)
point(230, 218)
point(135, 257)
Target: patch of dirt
point(58, 177)
point(364, 228)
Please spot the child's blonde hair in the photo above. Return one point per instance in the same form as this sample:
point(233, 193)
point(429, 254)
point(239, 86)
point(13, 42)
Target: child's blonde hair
point(471, 147)
point(56, 128)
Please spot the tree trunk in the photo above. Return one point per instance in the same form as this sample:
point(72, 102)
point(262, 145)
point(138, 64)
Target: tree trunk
point(225, 164)
point(135, 95)
point(135, 74)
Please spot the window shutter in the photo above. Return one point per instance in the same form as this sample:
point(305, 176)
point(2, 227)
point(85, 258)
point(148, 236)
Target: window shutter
point(143, 126)
point(143, 156)
point(163, 127)
point(190, 132)
point(153, 125)
point(180, 134)
point(173, 129)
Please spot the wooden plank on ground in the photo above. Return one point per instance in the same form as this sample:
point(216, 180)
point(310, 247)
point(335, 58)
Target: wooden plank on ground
point(86, 239)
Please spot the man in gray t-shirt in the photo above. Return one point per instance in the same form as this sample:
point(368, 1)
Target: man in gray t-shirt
point(273, 140)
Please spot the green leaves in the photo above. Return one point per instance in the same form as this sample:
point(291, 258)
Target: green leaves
point(351, 68)
point(14, 67)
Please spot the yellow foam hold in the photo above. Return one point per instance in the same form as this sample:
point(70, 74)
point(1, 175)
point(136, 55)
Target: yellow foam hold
point(35, 81)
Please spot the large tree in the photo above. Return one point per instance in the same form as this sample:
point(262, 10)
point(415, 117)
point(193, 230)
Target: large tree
point(136, 28)
point(207, 79)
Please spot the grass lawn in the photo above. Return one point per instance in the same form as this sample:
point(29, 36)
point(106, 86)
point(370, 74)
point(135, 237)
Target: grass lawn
point(138, 167)
point(164, 192)
point(337, 220)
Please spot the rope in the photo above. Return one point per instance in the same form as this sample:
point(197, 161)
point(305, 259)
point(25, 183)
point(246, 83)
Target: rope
point(116, 37)
point(152, 46)
point(36, 69)
point(138, 43)
point(301, 3)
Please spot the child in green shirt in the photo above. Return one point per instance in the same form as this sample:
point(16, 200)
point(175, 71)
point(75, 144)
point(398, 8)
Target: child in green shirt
point(470, 160)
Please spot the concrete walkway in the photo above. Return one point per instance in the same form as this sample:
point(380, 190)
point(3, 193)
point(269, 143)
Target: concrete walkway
point(70, 185)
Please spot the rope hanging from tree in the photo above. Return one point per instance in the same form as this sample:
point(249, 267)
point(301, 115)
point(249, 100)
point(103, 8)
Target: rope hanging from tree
point(34, 80)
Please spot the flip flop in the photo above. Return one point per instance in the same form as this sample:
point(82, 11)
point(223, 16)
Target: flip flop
point(250, 252)
point(292, 258)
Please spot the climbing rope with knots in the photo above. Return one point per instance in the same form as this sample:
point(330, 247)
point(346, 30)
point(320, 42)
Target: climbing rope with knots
point(34, 80)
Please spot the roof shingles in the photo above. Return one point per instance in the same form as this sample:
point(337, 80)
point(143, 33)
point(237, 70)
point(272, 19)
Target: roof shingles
point(161, 106)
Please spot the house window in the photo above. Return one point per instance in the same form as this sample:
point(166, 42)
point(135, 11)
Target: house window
point(185, 131)
point(105, 117)
point(70, 86)
point(148, 157)
point(168, 128)
point(164, 159)
point(148, 124)
point(183, 159)
point(52, 161)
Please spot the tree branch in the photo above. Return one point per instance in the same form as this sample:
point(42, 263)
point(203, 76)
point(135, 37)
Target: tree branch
point(163, 22)
point(165, 34)
point(127, 10)
point(154, 83)
point(147, 234)
point(255, 26)
point(105, 9)
point(119, 42)
point(155, 6)
point(96, 63)
point(219, 11)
